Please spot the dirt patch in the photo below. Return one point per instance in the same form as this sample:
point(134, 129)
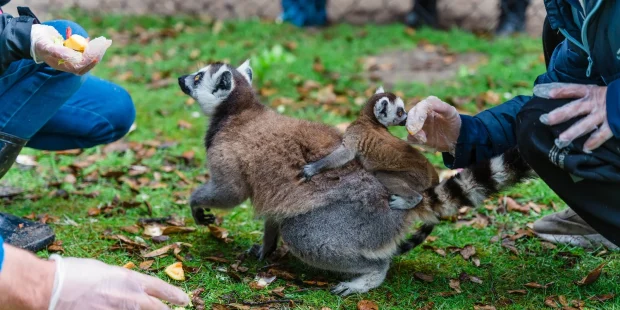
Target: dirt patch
point(425, 64)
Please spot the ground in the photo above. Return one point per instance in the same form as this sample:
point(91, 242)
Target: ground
point(484, 259)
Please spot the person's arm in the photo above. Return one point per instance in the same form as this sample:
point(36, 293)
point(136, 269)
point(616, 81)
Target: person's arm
point(613, 107)
point(14, 39)
point(485, 135)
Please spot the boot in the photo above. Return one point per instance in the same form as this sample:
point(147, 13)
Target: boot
point(28, 235)
point(512, 17)
point(424, 13)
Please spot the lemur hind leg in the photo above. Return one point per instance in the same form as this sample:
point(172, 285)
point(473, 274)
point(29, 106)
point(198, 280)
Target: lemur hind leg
point(364, 282)
point(270, 241)
point(402, 195)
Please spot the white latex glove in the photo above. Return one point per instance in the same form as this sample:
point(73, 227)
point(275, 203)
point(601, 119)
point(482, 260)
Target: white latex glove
point(434, 123)
point(590, 101)
point(91, 284)
point(46, 46)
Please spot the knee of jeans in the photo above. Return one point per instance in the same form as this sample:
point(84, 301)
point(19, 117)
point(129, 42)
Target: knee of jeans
point(61, 27)
point(123, 117)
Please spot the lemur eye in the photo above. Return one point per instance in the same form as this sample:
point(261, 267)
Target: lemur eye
point(400, 113)
point(198, 77)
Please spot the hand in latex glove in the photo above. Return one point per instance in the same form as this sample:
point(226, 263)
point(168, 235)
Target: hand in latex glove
point(46, 46)
point(91, 284)
point(434, 123)
point(590, 101)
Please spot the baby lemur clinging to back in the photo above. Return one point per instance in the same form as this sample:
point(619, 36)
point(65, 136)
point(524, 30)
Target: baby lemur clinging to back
point(403, 170)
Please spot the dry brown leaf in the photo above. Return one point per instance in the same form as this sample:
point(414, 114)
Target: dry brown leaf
point(145, 265)
point(94, 211)
point(261, 281)
point(184, 124)
point(220, 233)
point(537, 285)
point(315, 283)
point(476, 261)
point(133, 229)
point(424, 277)
point(429, 306)
point(475, 280)
point(550, 302)
point(125, 239)
point(217, 259)
point(129, 265)
point(282, 274)
point(563, 301)
point(468, 251)
point(510, 245)
point(602, 298)
point(517, 292)
point(441, 252)
point(278, 291)
point(367, 305)
point(55, 247)
point(447, 294)
point(455, 284)
point(177, 230)
point(548, 245)
point(175, 271)
point(239, 306)
point(578, 303)
point(484, 307)
point(592, 276)
point(153, 230)
point(159, 252)
point(512, 205)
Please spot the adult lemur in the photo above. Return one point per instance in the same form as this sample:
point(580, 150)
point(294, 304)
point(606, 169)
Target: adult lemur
point(339, 221)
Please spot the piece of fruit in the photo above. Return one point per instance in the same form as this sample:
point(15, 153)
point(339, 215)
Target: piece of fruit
point(175, 271)
point(76, 42)
point(130, 265)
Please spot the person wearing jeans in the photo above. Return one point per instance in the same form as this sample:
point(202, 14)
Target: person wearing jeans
point(48, 101)
point(568, 131)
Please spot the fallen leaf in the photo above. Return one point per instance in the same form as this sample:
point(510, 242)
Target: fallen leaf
point(160, 239)
point(550, 302)
point(537, 285)
point(455, 284)
point(261, 281)
point(475, 280)
point(177, 229)
point(220, 233)
point(125, 239)
point(316, 283)
point(152, 230)
point(563, 300)
point(175, 271)
point(602, 298)
point(517, 292)
point(93, 211)
point(70, 178)
point(468, 251)
point(160, 251)
point(424, 277)
point(447, 294)
point(239, 306)
point(55, 247)
point(484, 307)
point(184, 124)
point(367, 305)
point(512, 205)
point(133, 229)
point(476, 261)
point(196, 300)
point(428, 306)
point(441, 252)
point(217, 259)
point(282, 274)
point(592, 276)
point(548, 245)
point(510, 245)
point(129, 265)
point(278, 291)
point(145, 265)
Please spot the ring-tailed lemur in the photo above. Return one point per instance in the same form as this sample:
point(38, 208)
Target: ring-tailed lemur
point(338, 222)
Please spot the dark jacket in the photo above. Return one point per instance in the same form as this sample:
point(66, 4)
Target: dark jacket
point(15, 36)
point(589, 55)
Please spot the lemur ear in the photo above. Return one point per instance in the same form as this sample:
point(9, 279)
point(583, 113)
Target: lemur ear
point(380, 90)
point(246, 71)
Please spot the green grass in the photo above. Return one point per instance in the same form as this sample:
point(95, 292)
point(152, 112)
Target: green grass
point(510, 66)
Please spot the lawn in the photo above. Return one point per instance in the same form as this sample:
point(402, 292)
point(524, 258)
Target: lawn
point(90, 196)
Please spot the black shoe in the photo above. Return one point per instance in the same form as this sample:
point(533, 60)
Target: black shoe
point(424, 13)
point(512, 17)
point(25, 234)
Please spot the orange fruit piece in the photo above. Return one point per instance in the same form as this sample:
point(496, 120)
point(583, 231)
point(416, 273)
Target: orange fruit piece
point(175, 271)
point(76, 42)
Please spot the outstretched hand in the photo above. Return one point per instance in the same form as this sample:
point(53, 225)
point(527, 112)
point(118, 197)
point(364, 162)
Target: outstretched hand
point(434, 123)
point(590, 101)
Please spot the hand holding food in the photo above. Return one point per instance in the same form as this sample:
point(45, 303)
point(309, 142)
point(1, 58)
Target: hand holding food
point(76, 54)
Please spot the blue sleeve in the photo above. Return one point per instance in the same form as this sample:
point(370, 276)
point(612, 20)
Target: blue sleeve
point(613, 107)
point(487, 134)
point(1, 253)
point(14, 39)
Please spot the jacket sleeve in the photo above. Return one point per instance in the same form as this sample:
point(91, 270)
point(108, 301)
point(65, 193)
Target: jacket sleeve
point(490, 133)
point(612, 102)
point(14, 39)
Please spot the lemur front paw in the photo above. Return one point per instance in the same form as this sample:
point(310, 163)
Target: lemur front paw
point(203, 216)
point(404, 203)
point(308, 172)
point(259, 252)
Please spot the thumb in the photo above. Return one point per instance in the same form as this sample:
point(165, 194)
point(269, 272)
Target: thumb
point(417, 117)
point(418, 138)
point(162, 290)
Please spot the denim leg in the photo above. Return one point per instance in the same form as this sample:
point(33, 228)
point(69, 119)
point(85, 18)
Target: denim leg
point(30, 93)
point(99, 112)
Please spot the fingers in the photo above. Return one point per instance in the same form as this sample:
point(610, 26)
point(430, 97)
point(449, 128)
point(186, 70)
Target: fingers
point(561, 90)
point(162, 290)
point(579, 129)
point(417, 117)
point(418, 138)
point(151, 303)
point(565, 112)
point(88, 67)
point(598, 138)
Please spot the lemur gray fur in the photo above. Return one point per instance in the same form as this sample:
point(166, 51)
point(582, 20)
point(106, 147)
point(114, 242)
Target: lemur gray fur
point(339, 221)
point(402, 169)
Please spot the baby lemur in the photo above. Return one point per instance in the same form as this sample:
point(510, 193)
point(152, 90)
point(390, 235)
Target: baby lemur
point(402, 169)
point(337, 222)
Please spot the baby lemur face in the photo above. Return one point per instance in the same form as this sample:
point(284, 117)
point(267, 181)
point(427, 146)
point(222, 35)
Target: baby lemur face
point(211, 85)
point(389, 112)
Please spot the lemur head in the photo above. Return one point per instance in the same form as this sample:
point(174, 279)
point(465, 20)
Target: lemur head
point(387, 108)
point(213, 84)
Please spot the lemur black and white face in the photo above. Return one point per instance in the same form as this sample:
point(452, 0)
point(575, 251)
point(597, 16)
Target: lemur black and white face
point(389, 109)
point(211, 85)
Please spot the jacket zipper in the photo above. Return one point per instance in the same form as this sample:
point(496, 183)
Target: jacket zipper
point(584, 39)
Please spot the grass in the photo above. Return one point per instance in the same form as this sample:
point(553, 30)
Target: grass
point(283, 56)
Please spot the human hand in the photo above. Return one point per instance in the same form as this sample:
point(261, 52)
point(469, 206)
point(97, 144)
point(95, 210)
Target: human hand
point(46, 46)
point(88, 284)
point(590, 100)
point(434, 123)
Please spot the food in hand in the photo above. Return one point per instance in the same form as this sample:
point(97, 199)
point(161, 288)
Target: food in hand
point(175, 271)
point(76, 42)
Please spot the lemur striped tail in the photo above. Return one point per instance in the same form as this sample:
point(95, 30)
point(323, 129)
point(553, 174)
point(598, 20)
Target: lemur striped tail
point(470, 187)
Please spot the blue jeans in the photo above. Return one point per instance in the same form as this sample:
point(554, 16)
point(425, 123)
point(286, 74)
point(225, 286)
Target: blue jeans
point(57, 110)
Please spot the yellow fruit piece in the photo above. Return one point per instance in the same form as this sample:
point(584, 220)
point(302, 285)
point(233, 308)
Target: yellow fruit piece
point(76, 42)
point(175, 271)
point(129, 265)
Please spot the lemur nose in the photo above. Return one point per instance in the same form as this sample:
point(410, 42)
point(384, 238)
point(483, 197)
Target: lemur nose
point(183, 85)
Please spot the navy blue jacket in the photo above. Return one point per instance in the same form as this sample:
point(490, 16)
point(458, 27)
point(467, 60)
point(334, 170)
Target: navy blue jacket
point(15, 36)
point(589, 55)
